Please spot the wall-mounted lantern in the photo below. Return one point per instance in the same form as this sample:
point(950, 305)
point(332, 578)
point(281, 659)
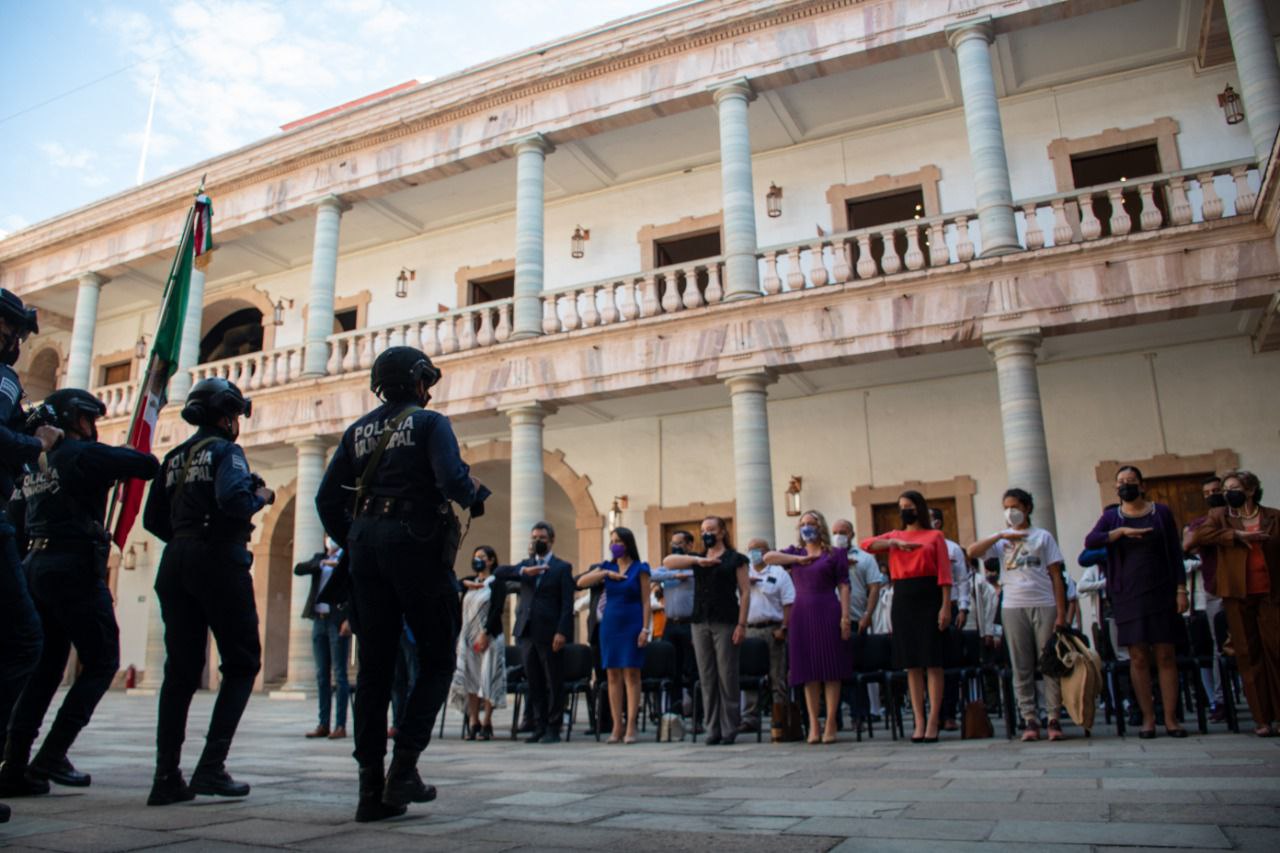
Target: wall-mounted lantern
point(402, 281)
point(580, 236)
point(1232, 106)
point(773, 201)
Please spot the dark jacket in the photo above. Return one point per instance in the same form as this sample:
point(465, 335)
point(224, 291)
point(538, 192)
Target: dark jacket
point(546, 601)
point(497, 603)
point(334, 594)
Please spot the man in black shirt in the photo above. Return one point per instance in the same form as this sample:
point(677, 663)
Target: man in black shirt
point(65, 497)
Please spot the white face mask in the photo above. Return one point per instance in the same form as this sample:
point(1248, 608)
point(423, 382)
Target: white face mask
point(840, 541)
point(1014, 516)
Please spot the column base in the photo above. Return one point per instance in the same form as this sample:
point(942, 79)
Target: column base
point(741, 295)
point(523, 336)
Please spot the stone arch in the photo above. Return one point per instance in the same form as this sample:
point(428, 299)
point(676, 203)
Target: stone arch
point(41, 375)
point(589, 521)
point(273, 585)
point(228, 302)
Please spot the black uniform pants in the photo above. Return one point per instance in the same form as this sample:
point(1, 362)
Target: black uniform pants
point(76, 610)
point(205, 586)
point(399, 579)
point(545, 671)
point(20, 635)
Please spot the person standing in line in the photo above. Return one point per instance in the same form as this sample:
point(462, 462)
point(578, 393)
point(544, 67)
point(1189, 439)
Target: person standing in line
point(1246, 536)
point(768, 619)
point(544, 624)
point(1147, 585)
point(677, 604)
point(722, 599)
point(202, 512)
point(66, 504)
point(480, 681)
point(818, 655)
point(961, 595)
point(402, 465)
point(1207, 574)
point(866, 581)
point(624, 628)
point(921, 572)
point(1034, 605)
point(326, 607)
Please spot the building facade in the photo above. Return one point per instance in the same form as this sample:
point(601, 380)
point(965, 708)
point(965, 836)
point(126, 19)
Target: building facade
point(697, 259)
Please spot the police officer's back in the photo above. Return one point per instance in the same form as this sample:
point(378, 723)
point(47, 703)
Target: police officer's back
point(385, 497)
point(201, 506)
point(65, 499)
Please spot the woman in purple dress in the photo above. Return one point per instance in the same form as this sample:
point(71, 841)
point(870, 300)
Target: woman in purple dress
point(1147, 586)
point(819, 631)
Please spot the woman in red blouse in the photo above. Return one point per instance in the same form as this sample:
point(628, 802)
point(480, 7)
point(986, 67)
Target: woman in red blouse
point(921, 609)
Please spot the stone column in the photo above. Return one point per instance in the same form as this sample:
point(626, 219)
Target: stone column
point(742, 279)
point(531, 154)
point(324, 277)
point(971, 43)
point(189, 352)
point(528, 504)
point(153, 661)
point(1026, 452)
point(80, 361)
point(308, 538)
point(1259, 72)
point(753, 472)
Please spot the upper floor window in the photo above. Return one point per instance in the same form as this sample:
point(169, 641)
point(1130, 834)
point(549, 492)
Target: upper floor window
point(239, 333)
point(902, 206)
point(345, 321)
point(1120, 165)
point(486, 283)
point(120, 371)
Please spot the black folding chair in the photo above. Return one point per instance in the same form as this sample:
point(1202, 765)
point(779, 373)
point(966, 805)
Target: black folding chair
point(753, 673)
point(517, 685)
point(1195, 653)
point(656, 677)
point(576, 670)
point(872, 664)
point(1229, 672)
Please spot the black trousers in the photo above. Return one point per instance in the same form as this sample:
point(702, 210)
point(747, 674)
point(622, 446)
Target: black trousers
point(204, 586)
point(20, 636)
point(544, 670)
point(399, 579)
point(76, 610)
point(680, 636)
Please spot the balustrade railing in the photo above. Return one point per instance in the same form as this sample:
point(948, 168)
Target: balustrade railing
point(119, 398)
point(255, 370)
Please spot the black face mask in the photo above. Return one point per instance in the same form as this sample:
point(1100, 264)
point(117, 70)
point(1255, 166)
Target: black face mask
point(1129, 491)
point(1236, 498)
point(708, 540)
point(479, 564)
point(541, 547)
point(1216, 500)
point(676, 549)
point(909, 516)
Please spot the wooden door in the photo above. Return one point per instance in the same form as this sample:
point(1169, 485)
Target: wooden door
point(1182, 494)
point(694, 528)
point(885, 517)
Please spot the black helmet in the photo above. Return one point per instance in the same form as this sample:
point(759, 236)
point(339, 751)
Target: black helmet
point(402, 367)
point(70, 403)
point(210, 399)
point(23, 320)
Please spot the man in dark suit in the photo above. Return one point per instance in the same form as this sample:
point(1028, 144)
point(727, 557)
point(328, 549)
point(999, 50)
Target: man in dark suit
point(326, 606)
point(544, 623)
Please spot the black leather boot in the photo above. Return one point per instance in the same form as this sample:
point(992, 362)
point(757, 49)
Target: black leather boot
point(404, 785)
point(211, 777)
point(169, 787)
point(51, 761)
point(371, 807)
point(14, 779)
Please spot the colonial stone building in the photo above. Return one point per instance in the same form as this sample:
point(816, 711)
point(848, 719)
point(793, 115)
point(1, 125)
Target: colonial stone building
point(715, 255)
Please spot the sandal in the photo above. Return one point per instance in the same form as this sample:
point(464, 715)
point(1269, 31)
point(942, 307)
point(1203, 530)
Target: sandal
point(1264, 731)
point(629, 739)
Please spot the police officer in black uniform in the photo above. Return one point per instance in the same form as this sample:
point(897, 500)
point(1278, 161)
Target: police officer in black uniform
point(385, 496)
point(20, 636)
point(202, 512)
point(65, 495)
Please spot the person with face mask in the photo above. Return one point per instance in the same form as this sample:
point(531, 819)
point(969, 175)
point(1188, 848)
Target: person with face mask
point(326, 607)
point(677, 604)
point(1034, 605)
point(544, 624)
point(65, 498)
point(20, 637)
point(818, 653)
point(1147, 587)
point(1246, 536)
point(921, 572)
point(769, 619)
point(721, 602)
point(480, 681)
point(201, 510)
point(624, 628)
point(1203, 570)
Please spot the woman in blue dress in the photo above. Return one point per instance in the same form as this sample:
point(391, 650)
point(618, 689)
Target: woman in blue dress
point(624, 627)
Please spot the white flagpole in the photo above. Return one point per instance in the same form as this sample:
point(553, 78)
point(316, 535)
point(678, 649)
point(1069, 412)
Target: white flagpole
point(146, 134)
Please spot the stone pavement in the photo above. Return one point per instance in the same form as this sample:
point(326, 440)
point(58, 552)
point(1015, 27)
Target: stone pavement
point(1216, 792)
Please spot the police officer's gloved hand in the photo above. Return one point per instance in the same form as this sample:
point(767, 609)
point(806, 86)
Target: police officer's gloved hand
point(483, 493)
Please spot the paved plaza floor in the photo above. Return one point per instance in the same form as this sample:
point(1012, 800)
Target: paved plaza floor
point(1221, 791)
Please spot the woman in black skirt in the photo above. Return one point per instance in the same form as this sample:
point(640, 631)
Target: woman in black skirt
point(921, 573)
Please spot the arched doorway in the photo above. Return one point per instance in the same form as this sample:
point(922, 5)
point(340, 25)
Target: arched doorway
point(238, 333)
point(41, 377)
point(273, 587)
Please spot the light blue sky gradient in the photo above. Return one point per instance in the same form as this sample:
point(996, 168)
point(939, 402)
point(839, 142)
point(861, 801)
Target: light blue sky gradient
point(231, 72)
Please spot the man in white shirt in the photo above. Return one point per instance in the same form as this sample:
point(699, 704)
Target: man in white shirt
point(772, 594)
point(866, 580)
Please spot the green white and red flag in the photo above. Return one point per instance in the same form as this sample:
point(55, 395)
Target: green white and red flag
point(194, 250)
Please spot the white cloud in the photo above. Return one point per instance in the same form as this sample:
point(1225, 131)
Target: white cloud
point(10, 223)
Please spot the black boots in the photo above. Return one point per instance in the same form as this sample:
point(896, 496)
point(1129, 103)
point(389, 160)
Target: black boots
point(51, 761)
point(169, 787)
point(404, 785)
point(15, 781)
point(211, 777)
point(371, 807)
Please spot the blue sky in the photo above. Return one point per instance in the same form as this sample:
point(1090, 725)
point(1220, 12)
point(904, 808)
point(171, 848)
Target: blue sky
point(230, 72)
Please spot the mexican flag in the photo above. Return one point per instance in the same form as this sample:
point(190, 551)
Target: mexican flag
point(194, 250)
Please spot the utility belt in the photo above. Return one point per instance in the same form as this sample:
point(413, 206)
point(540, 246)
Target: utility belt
point(773, 624)
point(210, 532)
point(382, 506)
point(42, 543)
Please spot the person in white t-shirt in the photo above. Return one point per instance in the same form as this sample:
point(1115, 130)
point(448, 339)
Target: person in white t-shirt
point(772, 594)
point(1035, 604)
